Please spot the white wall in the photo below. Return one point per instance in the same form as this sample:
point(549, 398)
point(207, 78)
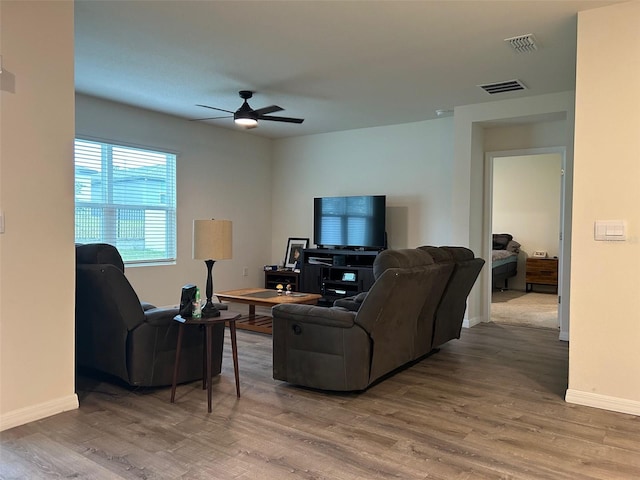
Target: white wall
point(526, 204)
point(535, 120)
point(409, 163)
point(37, 272)
point(221, 173)
point(545, 131)
point(604, 370)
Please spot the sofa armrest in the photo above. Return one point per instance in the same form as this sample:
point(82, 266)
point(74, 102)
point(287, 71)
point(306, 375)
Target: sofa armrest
point(351, 303)
point(312, 314)
point(348, 303)
point(146, 306)
point(360, 297)
point(160, 316)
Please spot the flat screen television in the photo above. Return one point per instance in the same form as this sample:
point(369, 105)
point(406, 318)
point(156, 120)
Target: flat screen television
point(356, 222)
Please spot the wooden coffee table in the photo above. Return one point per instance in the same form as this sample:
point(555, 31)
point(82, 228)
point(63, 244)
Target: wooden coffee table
point(263, 298)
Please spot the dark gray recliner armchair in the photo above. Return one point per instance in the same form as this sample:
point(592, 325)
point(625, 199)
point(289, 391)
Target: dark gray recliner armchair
point(118, 335)
point(332, 348)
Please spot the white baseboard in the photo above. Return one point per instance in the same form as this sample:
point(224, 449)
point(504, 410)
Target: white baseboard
point(603, 402)
point(471, 322)
point(564, 336)
point(37, 412)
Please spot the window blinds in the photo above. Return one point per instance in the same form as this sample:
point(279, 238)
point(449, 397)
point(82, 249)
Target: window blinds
point(126, 197)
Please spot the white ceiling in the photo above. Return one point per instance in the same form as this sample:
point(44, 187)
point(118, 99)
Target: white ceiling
point(340, 65)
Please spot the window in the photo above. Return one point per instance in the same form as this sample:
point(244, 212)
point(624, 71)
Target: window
point(126, 197)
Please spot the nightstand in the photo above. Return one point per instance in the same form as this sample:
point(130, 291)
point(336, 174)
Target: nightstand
point(541, 271)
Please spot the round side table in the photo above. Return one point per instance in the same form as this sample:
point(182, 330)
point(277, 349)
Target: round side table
point(207, 323)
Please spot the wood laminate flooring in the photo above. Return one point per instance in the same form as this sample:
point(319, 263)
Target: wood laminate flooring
point(487, 406)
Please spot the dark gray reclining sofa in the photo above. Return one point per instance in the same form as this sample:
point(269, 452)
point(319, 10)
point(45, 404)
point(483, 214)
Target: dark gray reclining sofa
point(347, 349)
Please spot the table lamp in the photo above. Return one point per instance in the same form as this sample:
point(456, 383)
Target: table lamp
point(211, 242)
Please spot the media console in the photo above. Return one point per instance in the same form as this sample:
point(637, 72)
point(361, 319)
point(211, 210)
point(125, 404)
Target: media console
point(283, 277)
point(336, 273)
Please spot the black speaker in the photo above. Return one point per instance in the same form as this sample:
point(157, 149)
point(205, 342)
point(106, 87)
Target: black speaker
point(186, 300)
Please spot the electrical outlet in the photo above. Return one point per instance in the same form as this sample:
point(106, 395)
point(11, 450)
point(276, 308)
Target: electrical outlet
point(245, 271)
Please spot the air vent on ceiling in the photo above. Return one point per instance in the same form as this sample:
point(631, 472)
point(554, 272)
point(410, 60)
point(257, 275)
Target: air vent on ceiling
point(501, 87)
point(523, 43)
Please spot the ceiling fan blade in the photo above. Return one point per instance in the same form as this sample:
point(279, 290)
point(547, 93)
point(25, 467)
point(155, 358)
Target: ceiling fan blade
point(280, 119)
point(209, 118)
point(269, 109)
point(214, 108)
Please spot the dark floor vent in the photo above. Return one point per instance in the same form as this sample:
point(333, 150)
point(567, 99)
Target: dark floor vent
point(501, 87)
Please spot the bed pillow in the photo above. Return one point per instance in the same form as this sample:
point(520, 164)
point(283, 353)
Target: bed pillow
point(513, 246)
point(501, 240)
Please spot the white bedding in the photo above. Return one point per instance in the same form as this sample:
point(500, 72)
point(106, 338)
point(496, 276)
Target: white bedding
point(502, 254)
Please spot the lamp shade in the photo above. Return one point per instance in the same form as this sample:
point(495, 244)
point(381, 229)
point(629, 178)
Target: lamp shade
point(212, 239)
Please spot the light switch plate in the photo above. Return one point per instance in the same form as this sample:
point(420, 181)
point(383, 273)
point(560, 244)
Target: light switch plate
point(610, 230)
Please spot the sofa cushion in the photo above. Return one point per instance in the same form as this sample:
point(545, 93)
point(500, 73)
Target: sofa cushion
point(438, 254)
point(401, 258)
point(459, 254)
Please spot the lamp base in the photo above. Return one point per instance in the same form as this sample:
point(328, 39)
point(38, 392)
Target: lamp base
point(210, 310)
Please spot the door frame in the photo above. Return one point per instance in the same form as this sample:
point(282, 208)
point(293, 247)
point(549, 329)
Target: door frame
point(565, 227)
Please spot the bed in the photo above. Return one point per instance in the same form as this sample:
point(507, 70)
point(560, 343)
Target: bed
point(504, 260)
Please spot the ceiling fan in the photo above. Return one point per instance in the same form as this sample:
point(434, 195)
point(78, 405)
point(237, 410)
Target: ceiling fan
point(248, 117)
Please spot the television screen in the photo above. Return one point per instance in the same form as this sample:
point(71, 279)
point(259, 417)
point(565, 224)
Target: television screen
point(355, 221)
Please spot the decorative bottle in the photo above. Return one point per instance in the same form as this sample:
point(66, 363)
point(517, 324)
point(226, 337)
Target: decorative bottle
point(197, 310)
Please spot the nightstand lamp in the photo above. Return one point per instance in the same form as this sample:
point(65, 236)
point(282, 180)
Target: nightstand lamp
point(211, 242)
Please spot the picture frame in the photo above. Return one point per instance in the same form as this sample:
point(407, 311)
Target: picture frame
point(294, 250)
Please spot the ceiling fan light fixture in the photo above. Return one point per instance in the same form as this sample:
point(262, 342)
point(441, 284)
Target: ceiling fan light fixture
point(246, 121)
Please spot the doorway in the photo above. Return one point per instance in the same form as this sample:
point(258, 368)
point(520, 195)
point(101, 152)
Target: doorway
point(525, 198)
